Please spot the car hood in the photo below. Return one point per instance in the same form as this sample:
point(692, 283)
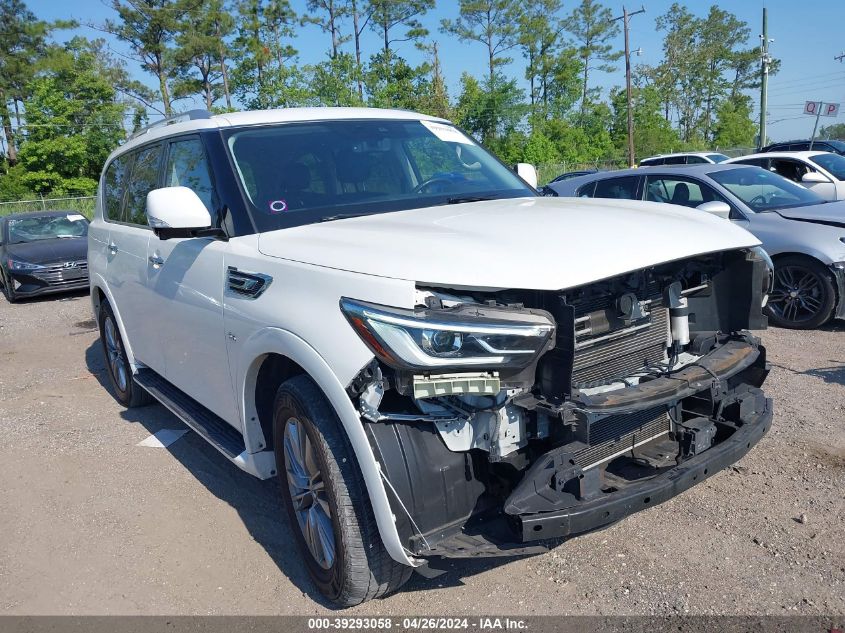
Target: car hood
point(827, 213)
point(64, 249)
point(532, 243)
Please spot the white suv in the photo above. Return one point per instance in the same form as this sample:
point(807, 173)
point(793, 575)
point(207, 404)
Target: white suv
point(437, 361)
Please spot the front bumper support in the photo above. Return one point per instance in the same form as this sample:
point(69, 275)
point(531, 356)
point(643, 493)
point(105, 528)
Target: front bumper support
point(593, 514)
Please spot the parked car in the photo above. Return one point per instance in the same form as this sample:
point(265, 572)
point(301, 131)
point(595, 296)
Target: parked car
point(821, 145)
point(804, 234)
point(823, 172)
point(434, 360)
point(43, 252)
point(683, 158)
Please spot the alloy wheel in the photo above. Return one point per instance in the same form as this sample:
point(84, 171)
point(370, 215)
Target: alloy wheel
point(114, 353)
point(308, 493)
point(798, 294)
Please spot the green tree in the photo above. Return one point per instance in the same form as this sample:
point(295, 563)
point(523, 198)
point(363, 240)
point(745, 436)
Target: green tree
point(592, 26)
point(330, 83)
point(435, 98)
point(490, 110)
point(835, 131)
point(734, 126)
point(387, 15)
point(653, 134)
point(265, 74)
point(328, 14)
point(539, 38)
point(201, 53)
point(22, 44)
point(494, 23)
point(74, 120)
point(150, 27)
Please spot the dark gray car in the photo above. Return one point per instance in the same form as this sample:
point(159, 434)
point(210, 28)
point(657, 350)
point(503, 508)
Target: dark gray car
point(804, 234)
point(43, 252)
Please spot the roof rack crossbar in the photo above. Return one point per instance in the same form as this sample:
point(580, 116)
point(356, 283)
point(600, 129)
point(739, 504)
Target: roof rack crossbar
point(190, 115)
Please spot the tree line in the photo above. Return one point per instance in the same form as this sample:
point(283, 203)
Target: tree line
point(64, 105)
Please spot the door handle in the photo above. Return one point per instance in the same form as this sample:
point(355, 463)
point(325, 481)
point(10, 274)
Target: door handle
point(113, 248)
point(156, 261)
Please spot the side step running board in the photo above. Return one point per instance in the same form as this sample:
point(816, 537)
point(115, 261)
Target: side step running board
point(208, 425)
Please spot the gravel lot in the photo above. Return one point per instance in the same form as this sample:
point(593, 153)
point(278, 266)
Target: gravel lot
point(93, 524)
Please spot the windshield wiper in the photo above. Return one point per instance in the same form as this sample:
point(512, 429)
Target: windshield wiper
point(462, 199)
point(342, 216)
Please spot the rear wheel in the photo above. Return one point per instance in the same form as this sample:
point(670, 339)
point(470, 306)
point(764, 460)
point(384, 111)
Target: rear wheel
point(126, 390)
point(326, 499)
point(803, 296)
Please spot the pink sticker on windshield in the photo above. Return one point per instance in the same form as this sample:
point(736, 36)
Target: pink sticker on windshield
point(278, 206)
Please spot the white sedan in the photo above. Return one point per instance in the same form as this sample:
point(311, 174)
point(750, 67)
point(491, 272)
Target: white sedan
point(823, 172)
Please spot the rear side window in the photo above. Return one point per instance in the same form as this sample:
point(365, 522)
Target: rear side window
point(144, 179)
point(695, 160)
point(676, 160)
point(187, 166)
point(586, 191)
point(622, 188)
point(650, 162)
point(114, 186)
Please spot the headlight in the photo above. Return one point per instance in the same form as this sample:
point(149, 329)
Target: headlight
point(15, 264)
point(464, 336)
point(769, 278)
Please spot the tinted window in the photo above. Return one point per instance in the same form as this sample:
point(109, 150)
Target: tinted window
point(651, 162)
point(763, 190)
point(114, 186)
point(799, 147)
point(187, 166)
point(675, 160)
point(757, 162)
point(833, 163)
point(300, 173)
point(586, 191)
point(695, 160)
point(683, 191)
point(624, 188)
point(789, 168)
point(144, 179)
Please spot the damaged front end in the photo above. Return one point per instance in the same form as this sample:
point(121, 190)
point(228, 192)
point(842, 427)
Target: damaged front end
point(504, 418)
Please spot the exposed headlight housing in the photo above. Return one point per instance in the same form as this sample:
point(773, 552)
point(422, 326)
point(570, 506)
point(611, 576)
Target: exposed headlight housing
point(769, 280)
point(15, 264)
point(459, 337)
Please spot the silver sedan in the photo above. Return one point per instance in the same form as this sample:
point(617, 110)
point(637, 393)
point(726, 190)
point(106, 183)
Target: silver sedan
point(804, 234)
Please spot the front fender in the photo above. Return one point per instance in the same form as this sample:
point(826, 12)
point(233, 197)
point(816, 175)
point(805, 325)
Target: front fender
point(279, 341)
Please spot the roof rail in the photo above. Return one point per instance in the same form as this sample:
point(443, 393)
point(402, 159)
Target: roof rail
point(190, 115)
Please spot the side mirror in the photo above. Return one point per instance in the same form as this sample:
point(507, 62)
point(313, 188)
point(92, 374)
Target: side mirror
point(813, 177)
point(527, 172)
point(716, 207)
point(177, 212)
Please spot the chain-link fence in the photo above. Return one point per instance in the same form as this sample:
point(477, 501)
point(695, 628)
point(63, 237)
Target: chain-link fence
point(83, 205)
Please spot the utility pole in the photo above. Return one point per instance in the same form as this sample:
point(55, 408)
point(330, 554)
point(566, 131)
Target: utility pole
point(765, 61)
point(626, 18)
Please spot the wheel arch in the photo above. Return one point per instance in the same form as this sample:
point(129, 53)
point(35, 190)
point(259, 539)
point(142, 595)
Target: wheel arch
point(273, 349)
point(99, 293)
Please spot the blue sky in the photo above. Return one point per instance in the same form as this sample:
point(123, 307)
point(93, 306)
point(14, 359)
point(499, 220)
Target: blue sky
point(806, 40)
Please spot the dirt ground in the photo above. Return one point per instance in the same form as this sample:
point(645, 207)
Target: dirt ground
point(91, 523)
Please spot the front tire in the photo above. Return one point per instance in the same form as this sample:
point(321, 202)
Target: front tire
point(126, 390)
point(326, 499)
point(8, 291)
point(803, 297)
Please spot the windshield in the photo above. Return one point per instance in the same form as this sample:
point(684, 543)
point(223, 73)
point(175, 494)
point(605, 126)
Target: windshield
point(46, 227)
point(301, 173)
point(717, 158)
point(762, 190)
point(833, 163)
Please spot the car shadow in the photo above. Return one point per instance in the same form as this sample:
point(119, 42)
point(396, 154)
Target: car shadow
point(70, 295)
point(258, 502)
